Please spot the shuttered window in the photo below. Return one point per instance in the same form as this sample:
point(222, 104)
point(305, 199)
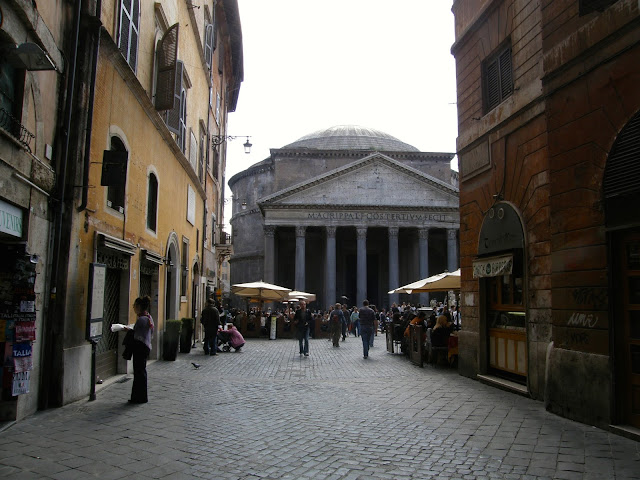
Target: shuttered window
point(129, 31)
point(589, 6)
point(208, 45)
point(172, 117)
point(497, 78)
point(167, 61)
point(220, 58)
point(182, 133)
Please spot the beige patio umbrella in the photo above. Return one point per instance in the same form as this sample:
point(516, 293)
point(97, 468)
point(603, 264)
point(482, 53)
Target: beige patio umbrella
point(297, 295)
point(265, 292)
point(441, 282)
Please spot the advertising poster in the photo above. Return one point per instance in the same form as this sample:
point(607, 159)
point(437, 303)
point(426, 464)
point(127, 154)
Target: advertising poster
point(20, 383)
point(25, 331)
point(22, 364)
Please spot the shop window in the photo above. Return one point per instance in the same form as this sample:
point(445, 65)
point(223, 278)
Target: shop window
point(589, 6)
point(129, 31)
point(497, 78)
point(152, 203)
point(116, 189)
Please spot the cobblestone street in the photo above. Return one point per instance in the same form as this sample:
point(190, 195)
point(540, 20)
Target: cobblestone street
point(268, 413)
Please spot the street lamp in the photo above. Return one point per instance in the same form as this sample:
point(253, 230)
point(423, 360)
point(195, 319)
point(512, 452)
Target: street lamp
point(220, 139)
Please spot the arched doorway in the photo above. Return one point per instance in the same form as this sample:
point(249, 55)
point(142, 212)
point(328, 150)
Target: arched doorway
point(171, 294)
point(621, 189)
point(500, 268)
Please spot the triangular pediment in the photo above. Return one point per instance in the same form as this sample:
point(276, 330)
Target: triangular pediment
point(376, 180)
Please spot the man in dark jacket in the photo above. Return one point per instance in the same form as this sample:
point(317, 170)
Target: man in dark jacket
point(210, 320)
point(302, 321)
point(367, 322)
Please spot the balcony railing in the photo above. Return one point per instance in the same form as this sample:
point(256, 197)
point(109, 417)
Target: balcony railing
point(11, 124)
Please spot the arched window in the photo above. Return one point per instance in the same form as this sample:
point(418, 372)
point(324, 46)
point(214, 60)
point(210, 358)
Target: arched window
point(152, 202)
point(116, 190)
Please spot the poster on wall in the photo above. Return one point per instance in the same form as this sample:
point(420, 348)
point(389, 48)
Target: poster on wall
point(20, 383)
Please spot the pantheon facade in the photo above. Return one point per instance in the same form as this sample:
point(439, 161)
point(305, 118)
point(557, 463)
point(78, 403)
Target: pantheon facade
point(347, 213)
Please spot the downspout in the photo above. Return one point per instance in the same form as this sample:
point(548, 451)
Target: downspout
point(92, 91)
point(49, 375)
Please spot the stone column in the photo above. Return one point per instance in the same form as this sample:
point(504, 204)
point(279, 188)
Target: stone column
point(361, 293)
point(330, 268)
point(452, 249)
point(300, 257)
point(423, 234)
point(394, 265)
point(269, 253)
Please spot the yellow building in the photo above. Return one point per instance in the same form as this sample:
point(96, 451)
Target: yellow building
point(142, 206)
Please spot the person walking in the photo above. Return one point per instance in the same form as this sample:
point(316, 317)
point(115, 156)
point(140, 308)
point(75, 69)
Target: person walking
point(142, 334)
point(336, 319)
point(367, 322)
point(210, 320)
point(355, 321)
point(302, 321)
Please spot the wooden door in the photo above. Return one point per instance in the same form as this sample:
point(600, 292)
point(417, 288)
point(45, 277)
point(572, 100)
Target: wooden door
point(628, 328)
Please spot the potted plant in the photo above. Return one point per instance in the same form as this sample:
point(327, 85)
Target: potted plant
point(185, 334)
point(171, 339)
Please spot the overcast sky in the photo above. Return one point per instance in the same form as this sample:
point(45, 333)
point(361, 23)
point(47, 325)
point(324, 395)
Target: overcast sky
point(311, 65)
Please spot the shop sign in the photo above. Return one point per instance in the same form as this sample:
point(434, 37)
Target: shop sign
point(493, 267)
point(10, 220)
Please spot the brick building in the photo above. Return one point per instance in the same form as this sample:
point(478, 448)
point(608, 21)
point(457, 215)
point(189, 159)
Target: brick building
point(549, 145)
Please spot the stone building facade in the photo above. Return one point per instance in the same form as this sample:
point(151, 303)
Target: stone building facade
point(345, 212)
point(549, 142)
point(143, 196)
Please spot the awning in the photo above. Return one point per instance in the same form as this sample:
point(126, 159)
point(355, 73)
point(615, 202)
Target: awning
point(493, 266)
point(122, 246)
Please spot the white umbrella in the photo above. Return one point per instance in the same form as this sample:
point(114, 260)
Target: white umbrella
point(441, 282)
point(261, 291)
point(297, 295)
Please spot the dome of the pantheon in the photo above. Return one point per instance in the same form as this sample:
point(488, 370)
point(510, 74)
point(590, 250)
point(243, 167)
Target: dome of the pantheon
point(351, 137)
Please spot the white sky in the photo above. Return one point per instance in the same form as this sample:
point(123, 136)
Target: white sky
point(311, 65)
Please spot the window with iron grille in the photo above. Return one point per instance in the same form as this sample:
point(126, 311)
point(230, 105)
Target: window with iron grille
point(129, 31)
point(152, 202)
point(589, 6)
point(497, 78)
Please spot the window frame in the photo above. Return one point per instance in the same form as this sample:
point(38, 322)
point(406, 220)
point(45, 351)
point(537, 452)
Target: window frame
point(133, 25)
point(503, 79)
point(152, 215)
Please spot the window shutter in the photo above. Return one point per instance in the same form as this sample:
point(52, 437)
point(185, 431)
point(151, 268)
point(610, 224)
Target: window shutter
point(493, 85)
point(135, 28)
point(220, 58)
point(167, 64)
point(193, 151)
point(506, 76)
point(208, 45)
point(125, 28)
point(173, 115)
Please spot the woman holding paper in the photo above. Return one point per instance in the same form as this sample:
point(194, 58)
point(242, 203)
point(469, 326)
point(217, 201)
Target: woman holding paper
point(142, 332)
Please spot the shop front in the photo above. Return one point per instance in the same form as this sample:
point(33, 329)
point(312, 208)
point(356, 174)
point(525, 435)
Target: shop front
point(500, 270)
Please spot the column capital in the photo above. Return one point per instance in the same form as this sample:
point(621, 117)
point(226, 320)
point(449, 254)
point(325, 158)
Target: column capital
point(423, 233)
point(270, 230)
point(301, 230)
point(452, 233)
point(361, 231)
point(393, 231)
point(331, 231)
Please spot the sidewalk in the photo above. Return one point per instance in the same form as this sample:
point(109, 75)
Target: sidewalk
point(268, 413)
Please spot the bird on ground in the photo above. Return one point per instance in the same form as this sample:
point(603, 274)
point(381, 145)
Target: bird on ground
point(196, 365)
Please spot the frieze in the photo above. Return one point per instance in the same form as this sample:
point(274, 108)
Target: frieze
point(383, 216)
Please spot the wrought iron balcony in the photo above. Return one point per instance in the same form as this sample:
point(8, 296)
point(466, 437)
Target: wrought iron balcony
point(11, 124)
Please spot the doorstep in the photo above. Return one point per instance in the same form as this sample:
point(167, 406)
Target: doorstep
point(504, 384)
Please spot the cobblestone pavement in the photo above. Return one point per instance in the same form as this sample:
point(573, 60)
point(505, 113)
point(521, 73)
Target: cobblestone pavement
point(268, 413)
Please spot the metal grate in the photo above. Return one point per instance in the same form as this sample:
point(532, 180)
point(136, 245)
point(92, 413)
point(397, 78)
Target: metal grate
point(622, 173)
point(109, 340)
point(15, 128)
point(145, 285)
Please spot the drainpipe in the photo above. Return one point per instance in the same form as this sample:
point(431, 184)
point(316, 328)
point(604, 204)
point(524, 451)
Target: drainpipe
point(52, 330)
point(92, 91)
